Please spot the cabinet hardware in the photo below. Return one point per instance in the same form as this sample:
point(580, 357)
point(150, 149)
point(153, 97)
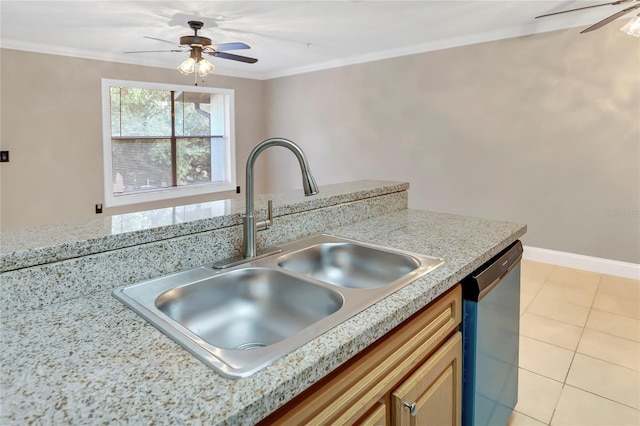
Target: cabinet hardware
point(413, 408)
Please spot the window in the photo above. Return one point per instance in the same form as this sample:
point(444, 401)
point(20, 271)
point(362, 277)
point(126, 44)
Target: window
point(163, 142)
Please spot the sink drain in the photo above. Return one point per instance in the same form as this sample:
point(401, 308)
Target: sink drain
point(250, 345)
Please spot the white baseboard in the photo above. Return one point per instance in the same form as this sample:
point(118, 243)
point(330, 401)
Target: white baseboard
point(586, 263)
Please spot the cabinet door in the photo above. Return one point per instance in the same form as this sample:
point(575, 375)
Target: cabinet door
point(376, 417)
point(351, 391)
point(432, 394)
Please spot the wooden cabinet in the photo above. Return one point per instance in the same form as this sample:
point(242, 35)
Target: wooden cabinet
point(377, 417)
point(418, 361)
point(432, 394)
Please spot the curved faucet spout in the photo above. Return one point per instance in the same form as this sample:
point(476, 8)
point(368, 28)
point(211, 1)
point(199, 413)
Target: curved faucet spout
point(308, 183)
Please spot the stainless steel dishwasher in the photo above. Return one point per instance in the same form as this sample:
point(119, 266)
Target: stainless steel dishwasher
point(490, 332)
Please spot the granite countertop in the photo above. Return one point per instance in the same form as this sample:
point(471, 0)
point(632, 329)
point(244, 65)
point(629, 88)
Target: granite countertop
point(23, 248)
point(92, 360)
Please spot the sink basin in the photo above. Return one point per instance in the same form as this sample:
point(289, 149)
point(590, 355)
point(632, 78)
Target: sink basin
point(347, 264)
point(241, 319)
point(248, 308)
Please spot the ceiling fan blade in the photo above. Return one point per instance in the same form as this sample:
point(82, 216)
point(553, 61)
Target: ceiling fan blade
point(611, 18)
point(164, 41)
point(582, 8)
point(155, 51)
point(229, 46)
point(233, 57)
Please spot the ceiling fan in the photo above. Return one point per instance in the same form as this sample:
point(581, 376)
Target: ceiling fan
point(196, 45)
point(606, 20)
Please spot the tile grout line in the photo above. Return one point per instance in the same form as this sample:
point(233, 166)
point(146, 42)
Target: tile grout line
point(618, 315)
point(601, 397)
point(544, 281)
point(551, 344)
point(583, 328)
point(598, 395)
point(564, 382)
point(536, 292)
point(591, 309)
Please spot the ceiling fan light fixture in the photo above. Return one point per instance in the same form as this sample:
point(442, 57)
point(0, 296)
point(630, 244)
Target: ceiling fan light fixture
point(204, 67)
point(188, 66)
point(195, 63)
point(633, 26)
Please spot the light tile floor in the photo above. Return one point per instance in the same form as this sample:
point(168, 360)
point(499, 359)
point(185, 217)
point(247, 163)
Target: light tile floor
point(579, 348)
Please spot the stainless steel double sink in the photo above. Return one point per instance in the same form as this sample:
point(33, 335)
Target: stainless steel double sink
point(241, 319)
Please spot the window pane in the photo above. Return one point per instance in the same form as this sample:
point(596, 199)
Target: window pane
point(193, 114)
point(141, 164)
point(218, 160)
point(217, 115)
point(114, 93)
point(194, 161)
point(145, 112)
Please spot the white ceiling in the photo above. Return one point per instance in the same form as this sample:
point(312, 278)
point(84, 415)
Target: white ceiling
point(287, 37)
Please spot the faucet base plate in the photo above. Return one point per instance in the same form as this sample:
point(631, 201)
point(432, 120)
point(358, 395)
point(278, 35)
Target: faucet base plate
point(239, 260)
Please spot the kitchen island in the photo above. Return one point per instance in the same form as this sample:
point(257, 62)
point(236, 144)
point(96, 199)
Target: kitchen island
point(74, 354)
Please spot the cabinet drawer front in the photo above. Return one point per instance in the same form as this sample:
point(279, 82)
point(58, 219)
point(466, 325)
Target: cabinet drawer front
point(378, 417)
point(432, 395)
point(348, 393)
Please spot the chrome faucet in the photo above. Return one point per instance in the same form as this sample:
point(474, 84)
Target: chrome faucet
point(308, 183)
point(250, 226)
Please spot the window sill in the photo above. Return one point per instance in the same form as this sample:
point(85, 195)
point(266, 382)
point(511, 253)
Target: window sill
point(166, 194)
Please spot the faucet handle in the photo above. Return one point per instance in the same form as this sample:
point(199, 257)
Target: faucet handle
point(265, 224)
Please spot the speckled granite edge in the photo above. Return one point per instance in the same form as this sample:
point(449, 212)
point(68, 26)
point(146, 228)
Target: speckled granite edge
point(36, 286)
point(103, 364)
point(54, 243)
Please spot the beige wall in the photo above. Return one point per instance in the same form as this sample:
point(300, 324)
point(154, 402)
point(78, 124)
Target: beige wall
point(543, 130)
point(52, 126)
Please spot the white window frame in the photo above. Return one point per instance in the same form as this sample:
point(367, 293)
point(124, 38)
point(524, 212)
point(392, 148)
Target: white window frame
point(228, 184)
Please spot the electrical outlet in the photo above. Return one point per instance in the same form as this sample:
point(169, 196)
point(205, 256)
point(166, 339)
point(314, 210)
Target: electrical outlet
point(4, 156)
point(98, 208)
point(237, 189)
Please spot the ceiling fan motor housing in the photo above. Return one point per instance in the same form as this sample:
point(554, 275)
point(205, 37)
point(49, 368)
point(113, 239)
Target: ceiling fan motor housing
point(195, 39)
